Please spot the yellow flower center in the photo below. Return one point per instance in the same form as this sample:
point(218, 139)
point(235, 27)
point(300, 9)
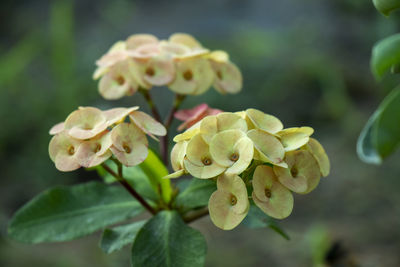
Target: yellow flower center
point(268, 193)
point(234, 157)
point(219, 75)
point(206, 161)
point(71, 150)
point(150, 71)
point(294, 172)
point(120, 80)
point(98, 148)
point(127, 148)
point(188, 75)
point(233, 200)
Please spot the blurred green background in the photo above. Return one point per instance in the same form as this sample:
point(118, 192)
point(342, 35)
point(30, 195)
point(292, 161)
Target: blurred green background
point(306, 62)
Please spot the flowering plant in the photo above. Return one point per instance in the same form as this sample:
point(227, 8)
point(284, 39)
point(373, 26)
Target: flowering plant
point(245, 165)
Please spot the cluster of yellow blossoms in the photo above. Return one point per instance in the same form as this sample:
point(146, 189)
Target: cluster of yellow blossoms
point(228, 146)
point(181, 63)
point(89, 136)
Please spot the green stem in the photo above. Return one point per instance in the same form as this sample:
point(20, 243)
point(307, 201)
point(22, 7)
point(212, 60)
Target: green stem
point(128, 187)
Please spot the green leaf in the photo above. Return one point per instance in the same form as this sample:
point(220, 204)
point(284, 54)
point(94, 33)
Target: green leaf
point(155, 170)
point(385, 55)
point(381, 135)
point(386, 6)
point(365, 148)
point(387, 126)
point(116, 238)
point(68, 212)
point(196, 194)
point(258, 219)
point(166, 241)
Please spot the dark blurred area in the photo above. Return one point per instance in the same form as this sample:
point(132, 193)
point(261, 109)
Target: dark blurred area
point(307, 62)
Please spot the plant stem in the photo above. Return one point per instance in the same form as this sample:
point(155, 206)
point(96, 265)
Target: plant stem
point(195, 215)
point(164, 142)
point(128, 187)
point(151, 104)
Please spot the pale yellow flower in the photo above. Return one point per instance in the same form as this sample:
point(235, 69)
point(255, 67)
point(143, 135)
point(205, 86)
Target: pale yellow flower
point(198, 161)
point(118, 81)
point(129, 144)
point(269, 195)
point(229, 205)
point(233, 150)
point(302, 174)
point(85, 123)
point(194, 76)
point(95, 151)
point(62, 151)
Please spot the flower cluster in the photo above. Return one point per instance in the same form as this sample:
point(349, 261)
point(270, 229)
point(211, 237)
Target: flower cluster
point(89, 136)
point(181, 63)
point(250, 150)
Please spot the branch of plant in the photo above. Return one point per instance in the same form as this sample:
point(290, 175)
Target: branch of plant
point(195, 215)
point(164, 142)
point(150, 103)
point(128, 187)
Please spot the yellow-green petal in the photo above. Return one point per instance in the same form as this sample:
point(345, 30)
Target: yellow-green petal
point(294, 138)
point(259, 120)
point(268, 148)
point(317, 150)
point(178, 153)
point(62, 151)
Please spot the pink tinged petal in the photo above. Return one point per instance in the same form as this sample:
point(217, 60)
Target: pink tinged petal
point(267, 147)
point(62, 151)
point(157, 71)
point(56, 129)
point(269, 195)
point(228, 78)
point(119, 81)
point(85, 123)
point(189, 114)
point(135, 41)
point(147, 124)
point(318, 152)
point(178, 153)
point(229, 205)
point(117, 115)
point(116, 53)
point(129, 144)
point(302, 174)
point(95, 151)
point(145, 52)
point(193, 76)
point(260, 120)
